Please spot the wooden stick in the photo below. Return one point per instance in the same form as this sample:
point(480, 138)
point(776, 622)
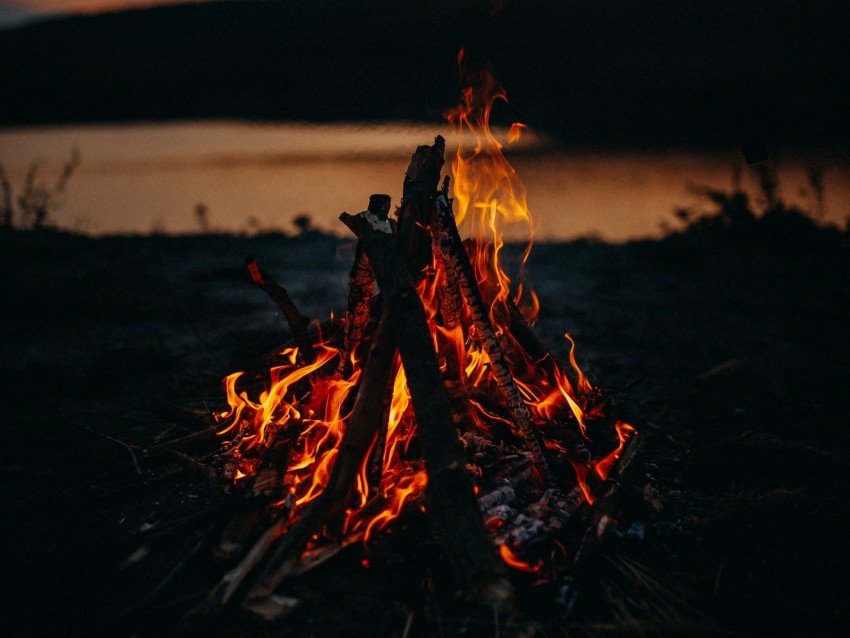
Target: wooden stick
point(221, 594)
point(451, 502)
point(455, 258)
point(176, 413)
point(202, 439)
point(298, 323)
point(354, 446)
point(602, 515)
point(450, 304)
point(417, 204)
point(449, 295)
point(376, 462)
point(361, 290)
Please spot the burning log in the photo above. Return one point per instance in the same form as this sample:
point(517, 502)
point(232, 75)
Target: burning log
point(354, 446)
point(361, 290)
point(451, 502)
point(455, 259)
point(417, 205)
point(298, 323)
point(376, 462)
point(449, 295)
point(427, 418)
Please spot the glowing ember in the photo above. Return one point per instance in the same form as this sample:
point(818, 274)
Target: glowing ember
point(517, 406)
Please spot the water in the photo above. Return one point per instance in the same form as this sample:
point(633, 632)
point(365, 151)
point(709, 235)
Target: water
point(250, 177)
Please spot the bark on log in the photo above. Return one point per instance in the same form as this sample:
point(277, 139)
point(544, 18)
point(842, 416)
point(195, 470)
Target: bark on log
point(354, 446)
point(361, 290)
point(451, 313)
point(449, 294)
point(451, 502)
point(298, 323)
point(417, 204)
point(455, 258)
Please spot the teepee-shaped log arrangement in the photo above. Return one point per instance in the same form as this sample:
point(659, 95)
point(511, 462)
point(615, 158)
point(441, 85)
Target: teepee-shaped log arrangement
point(432, 393)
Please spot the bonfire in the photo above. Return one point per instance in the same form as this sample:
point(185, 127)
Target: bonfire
point(432, 394)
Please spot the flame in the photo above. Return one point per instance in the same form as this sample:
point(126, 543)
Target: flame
point(308, 406)
point(488, 192)
point(624, 433)
point(512, 560)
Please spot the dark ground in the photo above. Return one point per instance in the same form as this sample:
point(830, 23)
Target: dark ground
point(734, 341)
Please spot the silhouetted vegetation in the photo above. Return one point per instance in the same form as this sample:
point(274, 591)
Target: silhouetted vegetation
point(303, 222)
point(734, 216)
point(31, 210)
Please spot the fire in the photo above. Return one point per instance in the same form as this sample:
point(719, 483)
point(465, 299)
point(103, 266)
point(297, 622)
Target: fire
point(306, 407)
point(512, 560)
point(489, 194)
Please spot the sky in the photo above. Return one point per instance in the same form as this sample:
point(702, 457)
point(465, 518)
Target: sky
point(82, 6)
point(16, 12)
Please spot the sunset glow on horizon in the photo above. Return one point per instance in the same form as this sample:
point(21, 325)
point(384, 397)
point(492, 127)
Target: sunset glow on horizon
point(88, 6)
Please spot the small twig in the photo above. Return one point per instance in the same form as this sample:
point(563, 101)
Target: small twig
point(109, 438)
point(407, 625)
point(719, 574)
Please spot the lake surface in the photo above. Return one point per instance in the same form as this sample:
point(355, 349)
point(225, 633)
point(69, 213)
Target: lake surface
point(249, 177)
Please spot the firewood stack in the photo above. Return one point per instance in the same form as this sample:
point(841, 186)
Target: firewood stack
point(509, 485)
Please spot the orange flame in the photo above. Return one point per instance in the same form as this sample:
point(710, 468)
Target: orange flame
point(488, 192)
point(512, 560)
point(310, 407)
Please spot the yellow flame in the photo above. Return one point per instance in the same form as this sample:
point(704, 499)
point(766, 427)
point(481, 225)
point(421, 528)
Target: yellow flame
point(309, 407)
point(488, 192)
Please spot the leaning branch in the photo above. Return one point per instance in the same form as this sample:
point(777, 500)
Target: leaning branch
point(455, 258)
point(451, 501)
point(298, 323)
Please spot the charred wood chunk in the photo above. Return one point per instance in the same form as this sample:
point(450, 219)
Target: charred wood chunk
point(361, 290)
point(417, 203)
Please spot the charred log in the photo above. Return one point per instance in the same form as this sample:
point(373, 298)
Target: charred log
point(361, 291)
point(455, 258)
point(355, 444)
point(451, 503)
point(417, 203)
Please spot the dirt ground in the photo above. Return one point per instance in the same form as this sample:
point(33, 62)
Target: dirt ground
point(730, 348)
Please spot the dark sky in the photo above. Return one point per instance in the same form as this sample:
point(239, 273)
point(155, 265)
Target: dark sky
point(600, 72)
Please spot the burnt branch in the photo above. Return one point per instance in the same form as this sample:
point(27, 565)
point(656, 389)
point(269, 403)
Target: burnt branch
point(361, 291)
point(417, 204)
point(358, 438)
point(451, 502)
point(447, 290)
point(298, 323)
point(455, 258)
